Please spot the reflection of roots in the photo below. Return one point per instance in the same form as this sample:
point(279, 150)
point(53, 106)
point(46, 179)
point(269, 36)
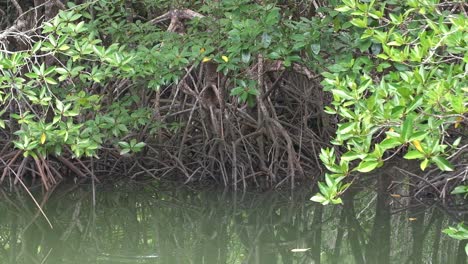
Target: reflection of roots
point(431, 185)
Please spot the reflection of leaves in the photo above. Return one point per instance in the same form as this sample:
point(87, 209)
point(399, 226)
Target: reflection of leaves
point(459, 232)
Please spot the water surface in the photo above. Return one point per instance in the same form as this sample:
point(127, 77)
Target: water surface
point(149, 223)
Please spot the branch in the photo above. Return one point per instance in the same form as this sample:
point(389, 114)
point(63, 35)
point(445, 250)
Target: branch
point(19, 10)
point(13, 30)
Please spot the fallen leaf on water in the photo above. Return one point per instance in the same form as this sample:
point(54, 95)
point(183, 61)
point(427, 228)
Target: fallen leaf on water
point(395, 195)
point(412, 219)
point(300, 249)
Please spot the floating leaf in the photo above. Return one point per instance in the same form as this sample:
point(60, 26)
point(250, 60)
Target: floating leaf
point(300, 250)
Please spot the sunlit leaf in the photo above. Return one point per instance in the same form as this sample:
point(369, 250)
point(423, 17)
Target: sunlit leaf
point(413, 154)
point(442, 163)
point(367, 166)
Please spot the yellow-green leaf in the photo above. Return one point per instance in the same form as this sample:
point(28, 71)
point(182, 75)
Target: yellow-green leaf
point(43, 138)
point(418, 146)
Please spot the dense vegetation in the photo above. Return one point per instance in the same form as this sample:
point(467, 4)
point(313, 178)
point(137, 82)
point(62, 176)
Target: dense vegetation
point(223, 91)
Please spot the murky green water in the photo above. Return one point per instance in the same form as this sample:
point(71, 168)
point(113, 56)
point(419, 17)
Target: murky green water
point(151, 224)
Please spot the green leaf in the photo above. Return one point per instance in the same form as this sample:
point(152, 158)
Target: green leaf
point(59, 105)
point(367, 166)
point(390, 143)
point(323, 189)
point(343, 9)
point(140, 145)
point(424, 164)
point(50, 81)
point(418, 136)
point(319, 198)
point(414, 154)
point(361, 23)
point(350, 156)
point(407, 129)
point(266, 40)
point(272, 17)
point(124, 151)
point(61, 71)
point(442, 163)
point(124, 144)
point(342, 94)
point(31, 75)
point(460, 189)
point(346, 128)
point(337, 201)
point(416, 103)
point(315, 48)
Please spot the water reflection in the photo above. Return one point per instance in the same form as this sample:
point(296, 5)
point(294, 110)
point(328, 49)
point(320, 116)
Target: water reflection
point(152, 224)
